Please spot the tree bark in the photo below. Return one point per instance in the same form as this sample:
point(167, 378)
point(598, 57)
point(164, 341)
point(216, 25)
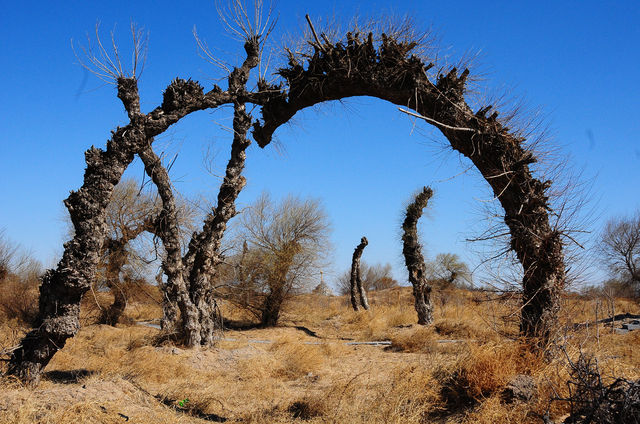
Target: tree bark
point(357, 290)
point(414, 260)
point(176, 296)
point(117, 256)
point(357, 67)
point(271, 308)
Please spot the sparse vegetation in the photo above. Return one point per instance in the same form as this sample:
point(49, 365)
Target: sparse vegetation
point(454, 371)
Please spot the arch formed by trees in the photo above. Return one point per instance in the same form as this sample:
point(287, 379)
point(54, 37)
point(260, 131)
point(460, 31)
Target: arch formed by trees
point(357, 66)
point(386, 69)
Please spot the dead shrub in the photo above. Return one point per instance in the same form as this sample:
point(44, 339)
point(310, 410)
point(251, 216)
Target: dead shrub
point(595, 399)
point(306, 409)
point(408, 394)
point(296, 359)
point(485, 370)
point(19, 299)
point(455, 329)
point(421, 339)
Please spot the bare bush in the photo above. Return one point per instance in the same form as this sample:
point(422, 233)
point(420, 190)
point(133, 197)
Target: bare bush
point(620, 248)
point(286, 243)
point(19, 281)
point(374, 277)
point(594, 399)
point(447, 270)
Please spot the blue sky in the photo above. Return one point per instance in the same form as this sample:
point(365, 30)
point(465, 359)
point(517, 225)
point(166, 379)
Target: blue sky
point(577, 62)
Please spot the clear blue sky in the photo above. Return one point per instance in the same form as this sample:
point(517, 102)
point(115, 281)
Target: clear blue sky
point(578, 61)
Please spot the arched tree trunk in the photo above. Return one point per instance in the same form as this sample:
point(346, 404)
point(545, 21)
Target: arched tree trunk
point(62, 288)
point(413, 258)
point(385, 69)
point(355, 67)
point(356, 281)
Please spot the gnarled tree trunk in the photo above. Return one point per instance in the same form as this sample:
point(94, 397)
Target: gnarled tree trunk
point(356, 281)
point(413, 258)
point(272, 306)
point(190, 277)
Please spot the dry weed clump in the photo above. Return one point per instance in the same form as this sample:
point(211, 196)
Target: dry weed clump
point(594, 398)
point(484, 370)
point(416, 339)
point(493, 410)
point(295, 359)
point(19, 299)
point(403, 394)
point(456, 329)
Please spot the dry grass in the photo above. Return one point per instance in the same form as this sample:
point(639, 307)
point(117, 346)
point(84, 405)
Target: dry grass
point(454, 371)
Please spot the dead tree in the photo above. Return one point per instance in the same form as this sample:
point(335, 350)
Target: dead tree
point(357, 288)
point(413, 258)
point(117, 256)
point(382, 66)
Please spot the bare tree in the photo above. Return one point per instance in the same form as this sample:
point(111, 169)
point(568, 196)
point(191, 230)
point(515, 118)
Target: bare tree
point(358, 294)
point(378, 277)
point(620, 248)
point(413, 258)
point(285, 246)
point(7, 255)
point(19, 279)
point(448, 270)
point(374, 277)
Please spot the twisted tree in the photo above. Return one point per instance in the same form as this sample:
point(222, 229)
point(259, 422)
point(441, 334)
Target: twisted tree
point(62, 288)
point(412, 251)
point(189, 278)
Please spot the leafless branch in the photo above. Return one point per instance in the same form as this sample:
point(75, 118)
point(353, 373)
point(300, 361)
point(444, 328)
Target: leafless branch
point(105, 62)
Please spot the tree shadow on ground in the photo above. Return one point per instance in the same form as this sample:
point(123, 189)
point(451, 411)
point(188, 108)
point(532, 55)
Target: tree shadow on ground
point(67, 376)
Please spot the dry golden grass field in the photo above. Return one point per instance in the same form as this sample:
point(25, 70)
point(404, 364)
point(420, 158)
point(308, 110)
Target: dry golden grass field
point(454, 371)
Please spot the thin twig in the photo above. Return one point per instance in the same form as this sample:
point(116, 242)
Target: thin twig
point(434, 122)
point(315, 35)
